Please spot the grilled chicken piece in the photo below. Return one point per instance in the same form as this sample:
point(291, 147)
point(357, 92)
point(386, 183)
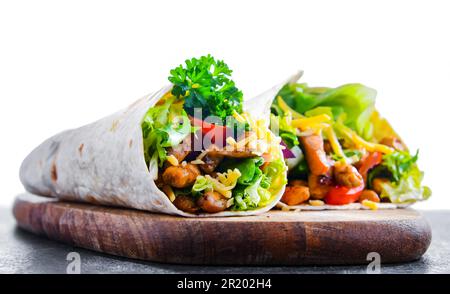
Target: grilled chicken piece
point(212, 202)
point(210, 163)
point(315, 154)
point(181, 150)
point(347, 175)
point(181, 176)
point(215, 151)
point(319, 185)
point(296, 192)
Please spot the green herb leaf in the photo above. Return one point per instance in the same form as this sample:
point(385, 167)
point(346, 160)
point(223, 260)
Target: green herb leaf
point(205, 83)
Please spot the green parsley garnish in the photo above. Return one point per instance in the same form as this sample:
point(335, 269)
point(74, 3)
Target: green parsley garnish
point(205, 83)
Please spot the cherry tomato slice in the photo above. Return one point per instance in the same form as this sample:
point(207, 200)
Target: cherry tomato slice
point(341, 195)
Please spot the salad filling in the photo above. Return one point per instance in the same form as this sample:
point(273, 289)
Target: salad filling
point(205, 152)
point(340, 151)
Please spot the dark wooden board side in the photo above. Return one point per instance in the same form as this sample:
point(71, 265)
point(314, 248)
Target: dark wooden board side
point(274, 238)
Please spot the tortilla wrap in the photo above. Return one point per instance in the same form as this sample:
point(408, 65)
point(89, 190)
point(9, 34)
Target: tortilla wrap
point(382, 128)
point(103, 163)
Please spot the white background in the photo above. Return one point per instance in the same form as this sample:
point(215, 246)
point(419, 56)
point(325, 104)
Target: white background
point(66, 63)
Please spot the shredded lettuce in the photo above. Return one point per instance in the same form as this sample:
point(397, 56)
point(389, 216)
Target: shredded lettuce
point(408, 189)
point(399, 163)
point(249, 169)
point(405, 184)
point(274, 171)
point(282, 125)
point(163, 126)
point(255, 187)
point(202, 184)
point(250, 197)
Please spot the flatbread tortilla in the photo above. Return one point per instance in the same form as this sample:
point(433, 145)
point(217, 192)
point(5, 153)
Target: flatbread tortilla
point(103, 163)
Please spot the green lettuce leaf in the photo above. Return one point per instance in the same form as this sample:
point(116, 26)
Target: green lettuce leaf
point(399, 163)
point(356, 101)
point(408, 189)
point(274, 172)
point(202, 183)
point(263, 188)
point(249, 168)
point(405, 184)
point(246, 197)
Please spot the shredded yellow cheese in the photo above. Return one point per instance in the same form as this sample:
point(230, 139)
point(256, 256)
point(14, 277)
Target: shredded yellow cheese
point(303, 124)
point(286, 108)
point(334, 142)
point(238, 117)
point(219, 187)
point(229, 178)
point(360, 142)
point(259, 142)
point(172, 160)
point(242, 143)
point(225, 182)
point(169, 192)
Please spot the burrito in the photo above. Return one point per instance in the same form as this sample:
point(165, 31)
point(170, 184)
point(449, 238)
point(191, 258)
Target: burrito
point(189, 149)
point(340, 152)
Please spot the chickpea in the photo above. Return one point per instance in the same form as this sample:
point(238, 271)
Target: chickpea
point(185, 203)
point(369, 195)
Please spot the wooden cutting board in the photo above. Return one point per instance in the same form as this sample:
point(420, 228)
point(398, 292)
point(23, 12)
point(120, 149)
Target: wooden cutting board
point(274, 238)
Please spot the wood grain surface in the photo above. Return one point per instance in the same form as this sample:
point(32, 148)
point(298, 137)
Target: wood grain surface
point(274, 238)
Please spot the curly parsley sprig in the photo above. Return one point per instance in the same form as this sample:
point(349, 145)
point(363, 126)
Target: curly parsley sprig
point(205, 83)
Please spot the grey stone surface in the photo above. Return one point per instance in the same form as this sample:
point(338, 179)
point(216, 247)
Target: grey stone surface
point(23, 252)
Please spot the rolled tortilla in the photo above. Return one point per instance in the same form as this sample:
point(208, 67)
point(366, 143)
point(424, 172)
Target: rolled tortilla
point(103, 163)
point(382, 128)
